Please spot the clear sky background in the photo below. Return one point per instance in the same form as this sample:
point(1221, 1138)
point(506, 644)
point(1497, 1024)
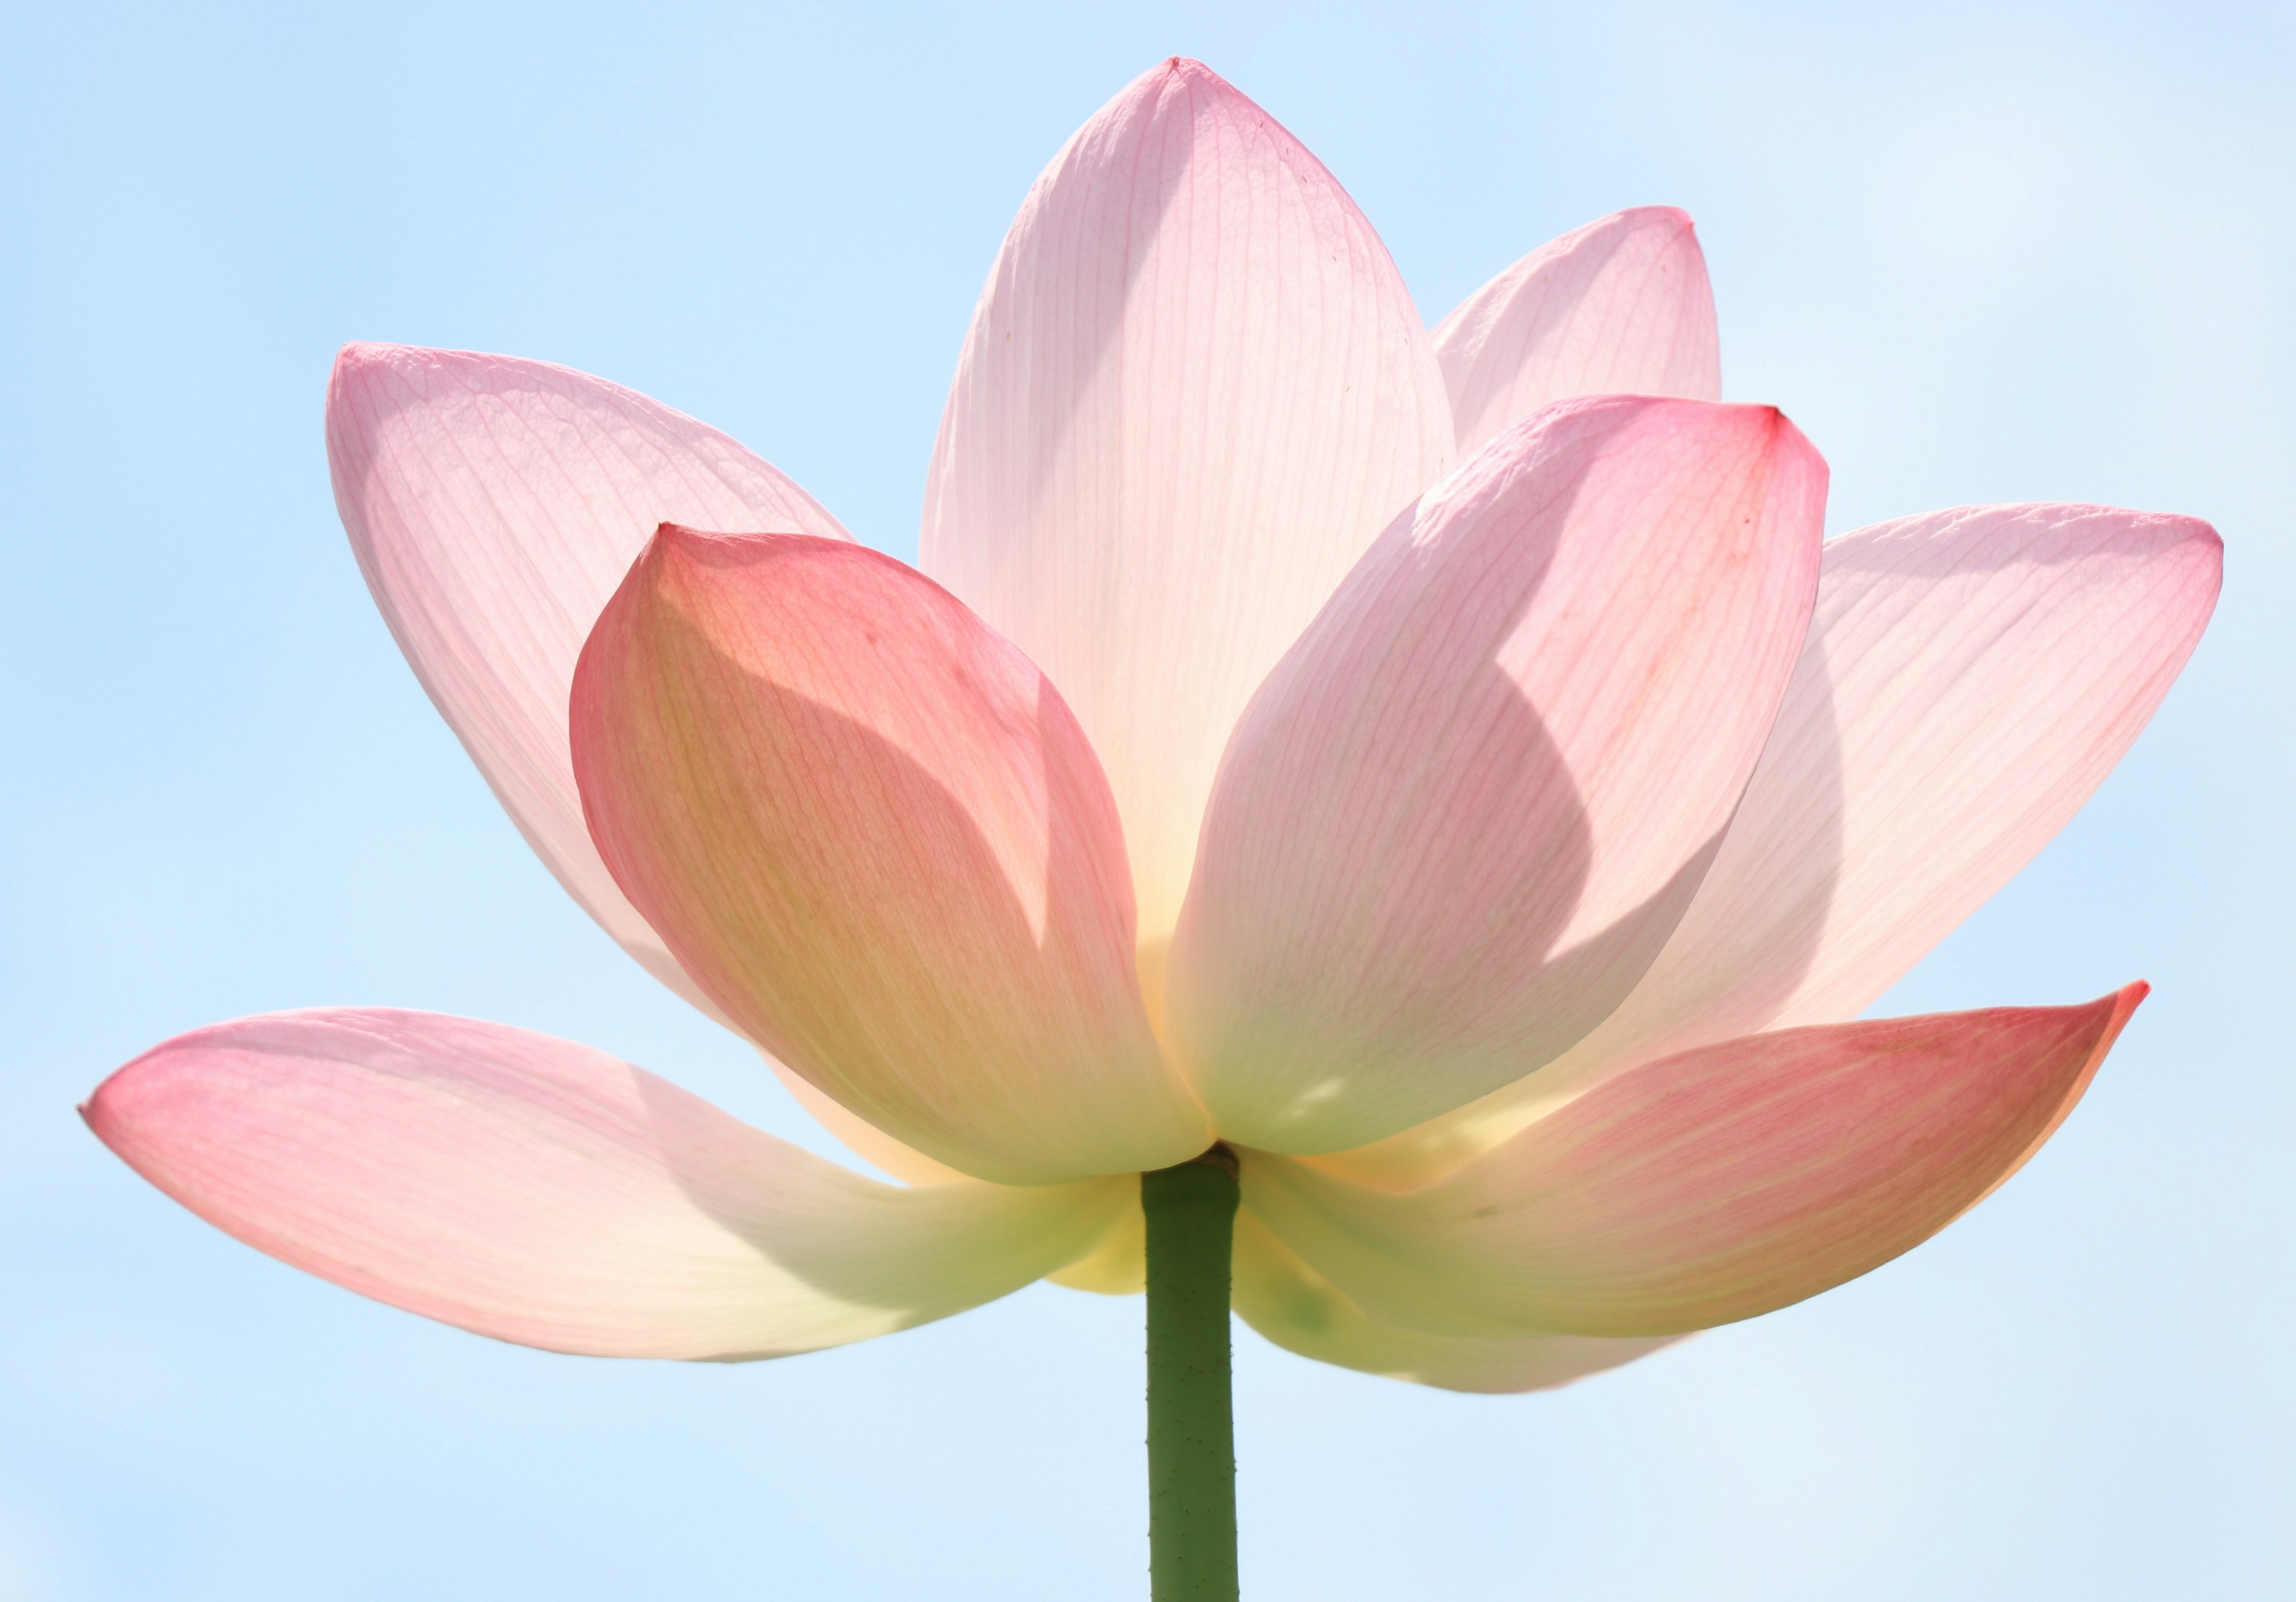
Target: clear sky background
point(1978, 252)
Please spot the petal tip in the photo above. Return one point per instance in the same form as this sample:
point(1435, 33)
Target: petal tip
point(1186, 69)
point(359, 357)
point(2125, 1001)
point(1672, 217)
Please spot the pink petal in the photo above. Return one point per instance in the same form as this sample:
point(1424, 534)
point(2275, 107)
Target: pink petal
point(1195, 392)
point(1971, 678)
point(538, 1191)
point(493, 504)
point(1620, 306)
point(875, 837)
point(1710, 1187)
point(1466, 811)
point(1296, 1308)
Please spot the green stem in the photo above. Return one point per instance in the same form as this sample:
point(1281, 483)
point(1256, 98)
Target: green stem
point(1191, 1212)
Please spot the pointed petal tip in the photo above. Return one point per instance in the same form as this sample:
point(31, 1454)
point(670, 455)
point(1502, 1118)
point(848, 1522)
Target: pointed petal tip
point(1654, 216)
point(2123, 1003)
point(358, 358)
point(1188, 69)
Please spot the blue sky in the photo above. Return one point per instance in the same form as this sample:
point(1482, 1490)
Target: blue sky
point(1998, 252)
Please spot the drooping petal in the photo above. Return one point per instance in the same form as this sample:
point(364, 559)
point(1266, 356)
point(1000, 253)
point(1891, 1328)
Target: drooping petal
point(1970, 677)
point(493, 504)
point(1193, 392)
point(1299, 1310)
point(873, 835)
point(1620, 306)
point(1708, 1187)
point(541, 1192)
point(1467, 809)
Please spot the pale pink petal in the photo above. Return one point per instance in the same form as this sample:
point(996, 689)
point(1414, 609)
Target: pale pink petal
point(1620, 306)
point(1970, 677)
point(1708, 1187)
point(538, 1191)
point(1467, 809)
point(1193, 392)
point(493, 504)
point(875, 837)
point(1299, 1310)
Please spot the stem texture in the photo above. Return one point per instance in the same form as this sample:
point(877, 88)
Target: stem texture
point(1191, 1212)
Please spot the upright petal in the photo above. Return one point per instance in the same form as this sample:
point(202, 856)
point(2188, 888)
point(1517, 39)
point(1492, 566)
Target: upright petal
point(538, 1191)
point(493, 504)
point(875, 837)
point(1193, 392)
point(1466, 811)
point(1620, 306)
point(1970, 677)
point(1713, 1186)
point(1296, 1308)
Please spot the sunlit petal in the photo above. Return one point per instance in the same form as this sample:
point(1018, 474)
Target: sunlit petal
point(875, 837)
point(493, 504)
point(1466, 811)
point(1970, 677)
point(1708, 1187)
point(1299, 1310)
point(1193, 392)
point(1620, 306)
point(538, 1191)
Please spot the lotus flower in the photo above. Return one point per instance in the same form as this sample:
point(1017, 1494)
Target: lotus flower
point(1444, 769)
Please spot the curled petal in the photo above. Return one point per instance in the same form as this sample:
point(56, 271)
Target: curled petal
point(493, 504)
point(873, 835)
point(1710, 1187)
point(1970, 677)
point(1467, 809)
point(1620, 306)
point(1296, 1308)
point(540, 1192)
point(1194, 390)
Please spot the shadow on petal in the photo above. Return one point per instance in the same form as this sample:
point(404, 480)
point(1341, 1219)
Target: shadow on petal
point(871, 831)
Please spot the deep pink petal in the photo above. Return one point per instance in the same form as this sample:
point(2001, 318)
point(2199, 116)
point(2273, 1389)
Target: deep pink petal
point(493, 504)
point(1299, 1310)
point(873, 835)
point(1466, 811)
point(1620, 306)
point(1194, 390)
point(1971, 678)
point(538, 1191)
point(1708, 1187)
